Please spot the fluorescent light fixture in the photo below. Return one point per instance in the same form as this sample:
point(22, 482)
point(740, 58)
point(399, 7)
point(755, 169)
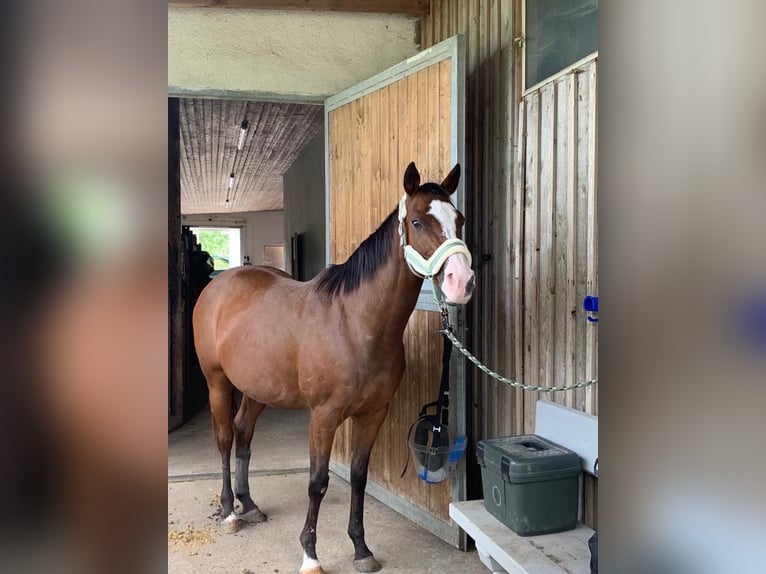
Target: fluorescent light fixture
point(231, 181)
point(242, 134)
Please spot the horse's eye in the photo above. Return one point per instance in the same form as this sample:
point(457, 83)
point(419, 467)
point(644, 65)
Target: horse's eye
point(417, 225)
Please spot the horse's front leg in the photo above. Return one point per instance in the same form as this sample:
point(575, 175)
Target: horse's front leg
point(322, 427)
point(364, 432)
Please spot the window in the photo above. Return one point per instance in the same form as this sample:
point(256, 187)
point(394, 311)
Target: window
point(557, 34)
point(222, 243)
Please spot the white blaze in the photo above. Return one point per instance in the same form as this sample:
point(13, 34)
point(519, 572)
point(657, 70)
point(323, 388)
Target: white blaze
point(457, 272)
point(446, 214)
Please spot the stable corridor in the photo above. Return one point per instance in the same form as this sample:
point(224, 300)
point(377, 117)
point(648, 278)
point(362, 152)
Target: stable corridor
point(278, 482)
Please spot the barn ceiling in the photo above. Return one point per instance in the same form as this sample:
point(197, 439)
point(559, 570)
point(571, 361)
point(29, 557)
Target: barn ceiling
point(210, 132)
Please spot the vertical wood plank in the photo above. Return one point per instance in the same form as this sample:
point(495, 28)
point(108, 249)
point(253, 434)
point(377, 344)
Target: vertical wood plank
point(356, 218)
point(547, 245)
point(571, 191)
point(445, 131)
point(391, 187)
point(583, 168)
point(368, 143)
point(377, 141)
point(517, 265)
point(532, 259)
point(444, 20)
point(431, 120)
point(414, 113)
point(407, 107)
point(563, 175)
point(422, 144)
point(395, 161)
point(591, 344)
point(347, 136)
point(505, 111)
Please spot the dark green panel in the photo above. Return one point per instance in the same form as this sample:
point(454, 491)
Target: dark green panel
point(557, 34)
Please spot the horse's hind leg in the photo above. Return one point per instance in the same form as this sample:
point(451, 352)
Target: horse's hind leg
point(244, 425)
point(222, 409)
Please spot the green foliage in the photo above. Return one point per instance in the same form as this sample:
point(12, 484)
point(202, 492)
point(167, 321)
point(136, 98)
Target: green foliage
point(216, 243)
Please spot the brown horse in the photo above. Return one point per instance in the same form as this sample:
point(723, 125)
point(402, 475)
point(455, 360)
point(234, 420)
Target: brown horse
point(333, 345)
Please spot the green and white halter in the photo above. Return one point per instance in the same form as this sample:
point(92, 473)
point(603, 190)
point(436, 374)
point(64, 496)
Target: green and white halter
point(418, 264)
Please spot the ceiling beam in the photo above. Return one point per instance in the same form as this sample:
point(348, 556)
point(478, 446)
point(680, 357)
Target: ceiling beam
point(409, 7)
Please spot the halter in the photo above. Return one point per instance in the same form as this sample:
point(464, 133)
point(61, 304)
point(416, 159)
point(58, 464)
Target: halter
point(419, 265)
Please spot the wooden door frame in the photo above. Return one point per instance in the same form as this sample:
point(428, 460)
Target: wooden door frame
point(175, 301)
point(453, 48)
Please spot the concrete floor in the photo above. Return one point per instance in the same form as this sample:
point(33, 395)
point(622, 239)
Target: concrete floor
point(278, 481)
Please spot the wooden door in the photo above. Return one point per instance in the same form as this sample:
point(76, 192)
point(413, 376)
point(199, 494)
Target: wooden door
point(411, 112)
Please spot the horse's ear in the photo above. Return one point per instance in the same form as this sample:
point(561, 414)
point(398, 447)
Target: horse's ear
point(453, 178)
point(411, 179)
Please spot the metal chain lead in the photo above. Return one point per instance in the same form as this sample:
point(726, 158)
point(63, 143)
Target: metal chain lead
point(459, 346)
point(447, 330)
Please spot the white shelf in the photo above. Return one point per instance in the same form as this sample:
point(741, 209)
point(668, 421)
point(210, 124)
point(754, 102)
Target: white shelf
point(502, 550)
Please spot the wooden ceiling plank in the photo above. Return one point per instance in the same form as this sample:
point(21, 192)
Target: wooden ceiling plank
point(248, 169)
point(193, 150)
point(217, 193)
point(272, 136)
point(209, 134)
point(408, 7)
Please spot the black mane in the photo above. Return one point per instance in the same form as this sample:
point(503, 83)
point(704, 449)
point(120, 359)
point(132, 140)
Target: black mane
point(363, 263)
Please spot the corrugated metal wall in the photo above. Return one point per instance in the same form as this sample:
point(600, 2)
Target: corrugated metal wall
point(531, 220)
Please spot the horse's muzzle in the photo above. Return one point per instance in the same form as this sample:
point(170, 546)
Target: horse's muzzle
point(458, 281)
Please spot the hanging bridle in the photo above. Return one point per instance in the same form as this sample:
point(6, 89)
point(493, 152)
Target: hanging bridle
point(419, 265)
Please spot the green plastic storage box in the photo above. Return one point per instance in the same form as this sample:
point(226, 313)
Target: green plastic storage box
point(530, 483)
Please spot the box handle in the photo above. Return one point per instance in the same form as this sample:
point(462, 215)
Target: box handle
point(534, 445)
point(480, 454)
point(505, 468)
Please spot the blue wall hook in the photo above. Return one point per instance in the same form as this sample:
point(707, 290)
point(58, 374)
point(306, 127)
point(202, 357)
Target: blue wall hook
point(590, 304)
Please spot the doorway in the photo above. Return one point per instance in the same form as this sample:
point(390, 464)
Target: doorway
point(223, 244)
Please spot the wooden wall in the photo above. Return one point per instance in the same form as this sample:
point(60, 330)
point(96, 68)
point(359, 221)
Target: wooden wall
point(531, 221)
point(489, 117)
point(557, 244)
point(371, 141)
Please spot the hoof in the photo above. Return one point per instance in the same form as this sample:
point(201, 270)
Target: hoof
point(253, 516)
point(230, 524)
point(368, 564)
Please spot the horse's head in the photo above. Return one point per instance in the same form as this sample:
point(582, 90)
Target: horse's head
point(431, 230)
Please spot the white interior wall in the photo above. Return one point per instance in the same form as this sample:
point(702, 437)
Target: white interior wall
point(304, 198)
point(258, 229)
